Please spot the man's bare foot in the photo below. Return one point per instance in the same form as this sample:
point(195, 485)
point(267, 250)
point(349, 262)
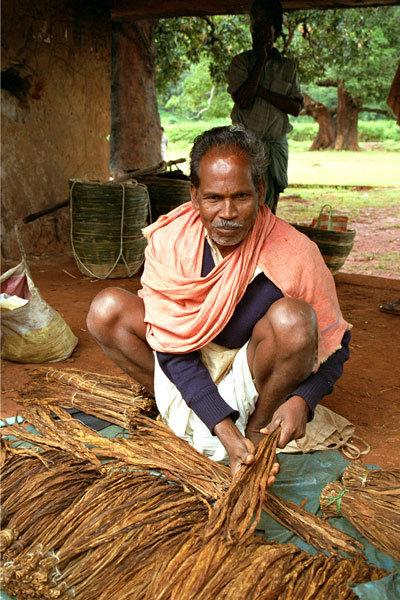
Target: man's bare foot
point(254, 435)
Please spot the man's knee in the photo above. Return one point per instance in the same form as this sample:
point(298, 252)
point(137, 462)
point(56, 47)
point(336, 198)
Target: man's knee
point(103, 309)
point(110, 309)
point(292, 323)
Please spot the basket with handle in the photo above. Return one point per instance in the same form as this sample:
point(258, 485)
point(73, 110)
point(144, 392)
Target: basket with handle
point(330, 221)
point(106, 227)
point(335, 246)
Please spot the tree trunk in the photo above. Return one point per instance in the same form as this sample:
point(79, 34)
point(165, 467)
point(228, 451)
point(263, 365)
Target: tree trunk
point(135, 122)
point(346, 122)
point(327, 125)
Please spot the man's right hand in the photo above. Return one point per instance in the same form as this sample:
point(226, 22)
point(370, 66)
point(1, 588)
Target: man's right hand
point(239, 448)
point(260, 48)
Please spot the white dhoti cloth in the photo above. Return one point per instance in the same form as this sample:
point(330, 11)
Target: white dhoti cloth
point(237, 389)
point(230, 371)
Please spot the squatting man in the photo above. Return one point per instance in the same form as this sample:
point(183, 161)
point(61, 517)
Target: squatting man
point(237, 327)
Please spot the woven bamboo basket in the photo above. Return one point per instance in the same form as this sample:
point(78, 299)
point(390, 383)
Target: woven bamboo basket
point(335, 246)
point(167, 191)
point(106, 227)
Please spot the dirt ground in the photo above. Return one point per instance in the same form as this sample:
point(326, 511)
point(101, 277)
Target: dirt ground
point(376, 249)
point(368, 394)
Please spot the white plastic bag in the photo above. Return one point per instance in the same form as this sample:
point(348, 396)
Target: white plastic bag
point(34, 332)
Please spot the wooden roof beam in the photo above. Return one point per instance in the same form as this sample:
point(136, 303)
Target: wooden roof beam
point(127, 10)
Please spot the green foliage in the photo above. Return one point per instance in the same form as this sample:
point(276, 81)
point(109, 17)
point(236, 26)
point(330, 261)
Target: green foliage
point(378, 131)
point(325, 95)
point(369, 131)
point(199, 96)
point(304, 132)
point(358, 47)
point(181, 42)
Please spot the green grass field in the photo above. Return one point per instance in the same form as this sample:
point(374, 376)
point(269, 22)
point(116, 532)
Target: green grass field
point(301, 204)
point(363, 185)
point(377, 164)
point(366, 168)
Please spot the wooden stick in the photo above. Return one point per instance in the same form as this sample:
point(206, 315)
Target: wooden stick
point(46, 211)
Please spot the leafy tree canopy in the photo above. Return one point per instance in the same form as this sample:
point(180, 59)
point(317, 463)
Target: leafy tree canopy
point(182, 42)
point(359, 47)
point(201, 95)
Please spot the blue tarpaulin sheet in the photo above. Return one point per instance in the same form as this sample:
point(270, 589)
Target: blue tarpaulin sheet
point(304, 476)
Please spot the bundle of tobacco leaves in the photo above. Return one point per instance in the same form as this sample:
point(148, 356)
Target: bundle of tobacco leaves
point(108, 536)
point(370, 500)
point(211, 568)
point(35, 488)
point(243, 501)
point(137, 535)
point(112, 399)
point(152, 445)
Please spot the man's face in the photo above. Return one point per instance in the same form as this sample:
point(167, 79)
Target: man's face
point(227, 199)
point(262, 29)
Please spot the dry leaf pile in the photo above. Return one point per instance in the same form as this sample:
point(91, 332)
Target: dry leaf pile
point(148, 517)
point(154, 446)
point(113, 399)
point(370, 500)
point(234, 512)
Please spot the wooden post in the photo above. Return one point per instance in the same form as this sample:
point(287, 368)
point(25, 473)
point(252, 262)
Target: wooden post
point(135, 123)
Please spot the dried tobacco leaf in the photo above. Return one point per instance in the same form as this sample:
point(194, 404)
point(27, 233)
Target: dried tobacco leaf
point(370, 500)
point(153, 445)
point(137, 534)
point(243, 501)
point(113, 399)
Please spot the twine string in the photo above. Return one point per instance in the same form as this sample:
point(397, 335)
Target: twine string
point(337, 499)
point(120, 254)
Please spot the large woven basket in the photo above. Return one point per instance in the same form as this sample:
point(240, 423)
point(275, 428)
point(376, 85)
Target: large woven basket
point(335, 246)
point(106, 227)
point(167, 191)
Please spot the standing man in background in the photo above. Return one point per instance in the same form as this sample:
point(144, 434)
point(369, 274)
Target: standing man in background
point(265, 88)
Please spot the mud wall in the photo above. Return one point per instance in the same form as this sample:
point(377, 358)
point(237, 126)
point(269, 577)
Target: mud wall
point(56, 73)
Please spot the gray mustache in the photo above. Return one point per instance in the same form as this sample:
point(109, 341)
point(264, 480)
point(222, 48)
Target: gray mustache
point(227, 223)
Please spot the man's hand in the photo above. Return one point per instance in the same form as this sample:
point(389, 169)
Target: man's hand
point(261, 47)
point(292, 415)
point(239, 448)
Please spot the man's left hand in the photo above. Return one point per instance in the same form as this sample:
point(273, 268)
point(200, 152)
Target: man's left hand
point(292, 415)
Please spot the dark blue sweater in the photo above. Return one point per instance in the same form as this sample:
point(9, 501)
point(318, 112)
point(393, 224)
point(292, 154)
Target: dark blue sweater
point(193, 380)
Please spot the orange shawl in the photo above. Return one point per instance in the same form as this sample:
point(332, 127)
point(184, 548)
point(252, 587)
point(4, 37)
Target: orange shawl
point(185, 311)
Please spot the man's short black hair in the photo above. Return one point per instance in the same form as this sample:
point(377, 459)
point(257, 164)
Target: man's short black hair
point(232, 137)
point(274, 10)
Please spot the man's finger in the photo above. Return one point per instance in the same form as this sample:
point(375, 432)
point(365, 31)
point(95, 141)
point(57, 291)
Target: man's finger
point(275, 468)
point(284, 438)
point(250, 458)
point(270, 428)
